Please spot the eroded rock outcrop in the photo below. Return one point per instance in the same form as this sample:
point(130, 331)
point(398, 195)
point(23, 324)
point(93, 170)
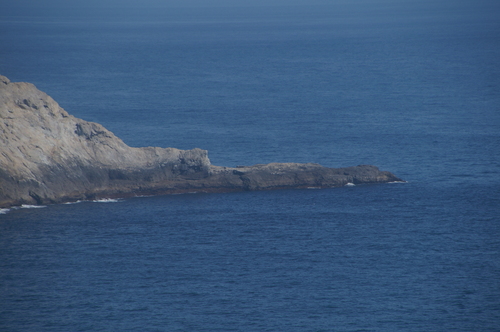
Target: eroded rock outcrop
point(49, 156)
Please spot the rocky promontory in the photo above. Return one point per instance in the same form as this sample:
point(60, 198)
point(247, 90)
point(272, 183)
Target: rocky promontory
point(49, 156)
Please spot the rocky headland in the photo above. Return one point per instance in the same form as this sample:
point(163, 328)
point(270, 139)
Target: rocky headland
point(48, 156)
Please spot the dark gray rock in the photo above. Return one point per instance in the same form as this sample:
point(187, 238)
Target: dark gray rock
point(49, 156)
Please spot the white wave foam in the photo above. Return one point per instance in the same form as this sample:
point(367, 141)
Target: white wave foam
point(106, 200)
point(72, 202)
point(28, 206)
point(349, 184)
point(398, 182)
point(4, 211)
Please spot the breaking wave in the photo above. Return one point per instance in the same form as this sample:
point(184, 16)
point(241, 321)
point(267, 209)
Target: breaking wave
point(24, 206)
point(107, 200)
point(28, 206)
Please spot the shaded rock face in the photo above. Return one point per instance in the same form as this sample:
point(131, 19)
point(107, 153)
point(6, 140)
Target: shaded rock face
point(49, 156)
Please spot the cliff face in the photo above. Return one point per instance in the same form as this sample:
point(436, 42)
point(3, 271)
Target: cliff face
point(49, 156)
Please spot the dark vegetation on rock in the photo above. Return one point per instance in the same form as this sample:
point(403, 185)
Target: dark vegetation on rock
point(48, 156)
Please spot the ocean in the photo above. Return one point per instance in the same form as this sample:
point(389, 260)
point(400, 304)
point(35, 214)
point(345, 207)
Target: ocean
point(412, 87)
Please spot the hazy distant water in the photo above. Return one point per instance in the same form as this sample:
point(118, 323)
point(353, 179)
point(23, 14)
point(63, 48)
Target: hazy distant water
point(412, 89)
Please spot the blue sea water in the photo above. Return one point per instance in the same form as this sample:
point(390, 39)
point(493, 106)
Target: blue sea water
point(412, 87)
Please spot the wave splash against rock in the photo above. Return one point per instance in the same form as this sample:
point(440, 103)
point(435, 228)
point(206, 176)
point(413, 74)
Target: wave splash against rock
point(49, 156)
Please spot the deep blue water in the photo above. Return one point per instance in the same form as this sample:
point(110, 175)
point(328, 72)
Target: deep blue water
point(413, 88)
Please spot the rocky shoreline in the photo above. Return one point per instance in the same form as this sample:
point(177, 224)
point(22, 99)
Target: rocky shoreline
point(48, 156)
